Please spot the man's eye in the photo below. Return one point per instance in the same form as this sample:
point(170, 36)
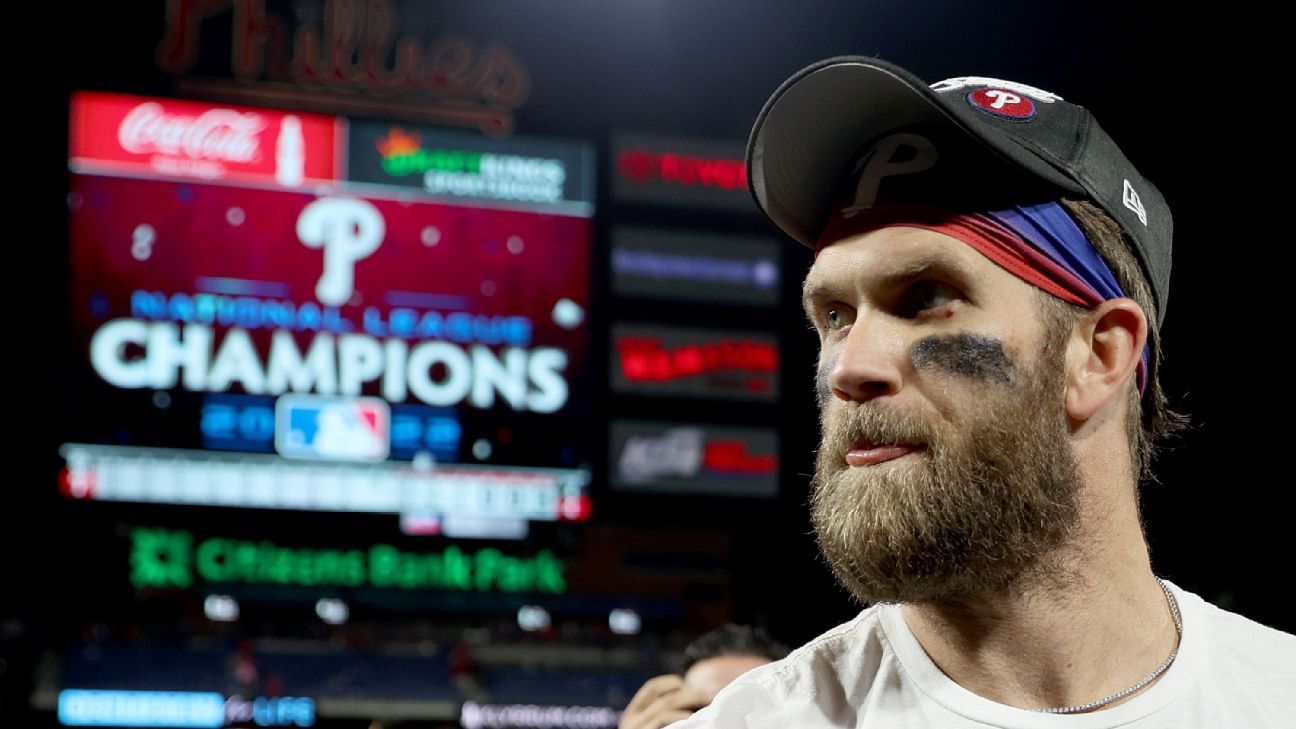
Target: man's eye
point(835, 319)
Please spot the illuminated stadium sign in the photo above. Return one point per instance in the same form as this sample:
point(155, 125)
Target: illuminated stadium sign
point(120, 134)
point(261, 302)
point(531, 172)
point(688, 266)
point(355, 55)
point(655, 360)
point(532, 716)
point(674, 171)
point(180, 709)
point(162, 558)
point(333, 341)
point(694, 459)
point(177, 476)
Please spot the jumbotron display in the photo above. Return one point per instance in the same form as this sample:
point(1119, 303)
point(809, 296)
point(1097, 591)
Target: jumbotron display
point(287, 310)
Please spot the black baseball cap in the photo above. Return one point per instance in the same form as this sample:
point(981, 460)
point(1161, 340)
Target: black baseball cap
point(862, 127)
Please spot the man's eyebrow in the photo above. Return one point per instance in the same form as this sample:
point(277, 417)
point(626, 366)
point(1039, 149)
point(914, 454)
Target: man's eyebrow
point(891, 278)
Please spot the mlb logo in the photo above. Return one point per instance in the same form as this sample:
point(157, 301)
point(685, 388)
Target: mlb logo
point(332, 429)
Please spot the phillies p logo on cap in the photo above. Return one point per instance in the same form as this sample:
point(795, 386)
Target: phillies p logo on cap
point(1003, 103)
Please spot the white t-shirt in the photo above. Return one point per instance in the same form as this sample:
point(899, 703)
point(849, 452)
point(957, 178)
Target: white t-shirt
point(1230, 673)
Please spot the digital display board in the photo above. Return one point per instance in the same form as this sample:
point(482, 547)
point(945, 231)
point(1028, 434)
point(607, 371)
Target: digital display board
point(461, 166)
point(260, 283)
point(693, 459)
point(166, 558)
point(700, 363)
point(683, 172)
point(656, 263)
point(131, 136)
point(180, 709)
point(532, 716)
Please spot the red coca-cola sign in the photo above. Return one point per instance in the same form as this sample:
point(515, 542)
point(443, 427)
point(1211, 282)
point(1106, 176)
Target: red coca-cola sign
point(119, 134)
point(218, 134)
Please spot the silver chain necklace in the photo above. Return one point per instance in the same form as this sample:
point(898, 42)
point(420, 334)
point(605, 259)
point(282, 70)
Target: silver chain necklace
point(1174, 611)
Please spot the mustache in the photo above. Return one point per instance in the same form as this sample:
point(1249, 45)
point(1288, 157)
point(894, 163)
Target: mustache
point(846, 424)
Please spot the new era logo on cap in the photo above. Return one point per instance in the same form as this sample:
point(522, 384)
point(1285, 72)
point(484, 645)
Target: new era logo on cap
point(1132, 201)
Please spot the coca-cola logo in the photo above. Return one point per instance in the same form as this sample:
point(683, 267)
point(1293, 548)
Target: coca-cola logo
point(219, 134)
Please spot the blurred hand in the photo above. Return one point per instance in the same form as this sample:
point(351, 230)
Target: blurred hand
point(662, 701)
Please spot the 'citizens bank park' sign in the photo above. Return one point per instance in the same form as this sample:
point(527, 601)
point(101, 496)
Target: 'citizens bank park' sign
point(162, 558)
point(245, 255)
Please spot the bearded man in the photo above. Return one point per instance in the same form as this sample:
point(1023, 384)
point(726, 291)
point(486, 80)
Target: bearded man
point(990, 277)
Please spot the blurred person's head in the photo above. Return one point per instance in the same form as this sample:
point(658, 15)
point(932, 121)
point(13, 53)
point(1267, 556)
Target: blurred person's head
point(715, 659)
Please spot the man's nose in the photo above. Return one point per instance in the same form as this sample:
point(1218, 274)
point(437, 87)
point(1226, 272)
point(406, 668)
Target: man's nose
point(870, 361)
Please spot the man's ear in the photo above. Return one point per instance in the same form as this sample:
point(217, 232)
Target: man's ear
point(1103, 352)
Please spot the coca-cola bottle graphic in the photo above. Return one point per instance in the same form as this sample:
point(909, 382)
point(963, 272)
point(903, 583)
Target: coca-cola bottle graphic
point(290, 153)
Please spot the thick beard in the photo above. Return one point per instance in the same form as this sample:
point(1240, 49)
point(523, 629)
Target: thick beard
point(979, 510)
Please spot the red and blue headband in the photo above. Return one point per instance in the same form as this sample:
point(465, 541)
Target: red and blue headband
point(1040, 244)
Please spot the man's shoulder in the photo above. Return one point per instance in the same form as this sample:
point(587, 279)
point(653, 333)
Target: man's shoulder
point(823, 653)
point(1246, 643)
point(817, 678)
